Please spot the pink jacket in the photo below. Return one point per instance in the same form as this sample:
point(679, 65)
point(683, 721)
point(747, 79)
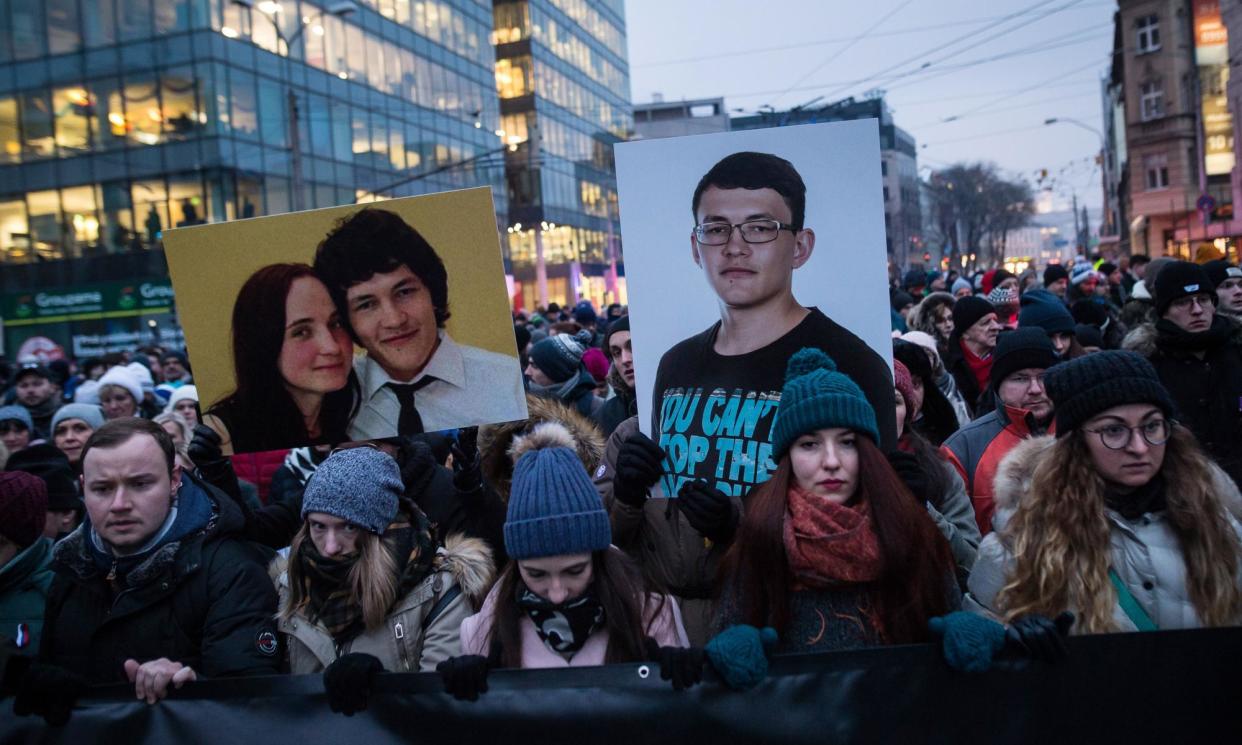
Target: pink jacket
point(666, 629)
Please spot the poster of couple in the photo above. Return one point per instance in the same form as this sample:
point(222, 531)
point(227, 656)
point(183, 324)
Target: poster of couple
point(349, 323)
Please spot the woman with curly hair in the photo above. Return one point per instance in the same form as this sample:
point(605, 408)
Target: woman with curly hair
point(934, 316)
point(1121, 520)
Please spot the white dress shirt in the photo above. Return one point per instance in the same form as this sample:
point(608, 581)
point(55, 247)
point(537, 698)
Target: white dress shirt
point(473, 386)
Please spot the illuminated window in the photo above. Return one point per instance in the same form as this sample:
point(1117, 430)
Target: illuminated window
point(14, 232)
point(513, 78)
point(36, 119)
point(72, 107)
point(144, 122)
point(81, 222)
point(512, 22)
point(181, 117)
point(10, 140)
point(110, 128)
point(45, 224)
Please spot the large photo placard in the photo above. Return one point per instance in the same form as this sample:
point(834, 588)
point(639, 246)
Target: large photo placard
point(349, 323)
point(727, 237)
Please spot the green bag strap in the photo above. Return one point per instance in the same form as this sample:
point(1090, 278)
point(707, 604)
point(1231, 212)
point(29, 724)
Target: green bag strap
point(1130, 606)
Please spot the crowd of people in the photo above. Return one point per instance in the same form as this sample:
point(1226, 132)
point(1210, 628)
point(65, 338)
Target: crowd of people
point(1061, 455)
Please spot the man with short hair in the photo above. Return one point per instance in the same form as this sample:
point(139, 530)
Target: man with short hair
point(155, 587)
point(620, 351)
point(40, 395)
point(1198, 355)
point(1227, 279)
point(969, 358)
point(391, 290)
point(715, 393)
point(174, 367)
point(1023, 411)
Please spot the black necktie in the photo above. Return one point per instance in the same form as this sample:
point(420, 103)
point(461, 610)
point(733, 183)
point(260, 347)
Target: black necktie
point(409, 422)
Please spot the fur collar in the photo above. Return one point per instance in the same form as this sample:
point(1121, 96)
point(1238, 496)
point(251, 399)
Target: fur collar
point(495, 440)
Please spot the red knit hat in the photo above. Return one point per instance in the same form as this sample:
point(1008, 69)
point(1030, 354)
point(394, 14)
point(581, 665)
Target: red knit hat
point(23, 507)
point(905, 385)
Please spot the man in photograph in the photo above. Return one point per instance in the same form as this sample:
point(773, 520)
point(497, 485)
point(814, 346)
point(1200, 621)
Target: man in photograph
point(716, 393)
point(391, 290)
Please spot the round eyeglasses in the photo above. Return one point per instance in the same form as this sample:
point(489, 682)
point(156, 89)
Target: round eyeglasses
point(1118, 436)
point(753, 231)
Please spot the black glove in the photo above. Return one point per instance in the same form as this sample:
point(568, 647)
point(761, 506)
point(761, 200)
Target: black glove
point(682, 666)
point(911, 474)
point(348, 681)
point(465, 677)
point(709, 510)
point(1039, 637)
point(204, 448)
point(47, 690)
point(467, 465)
point(639, 465)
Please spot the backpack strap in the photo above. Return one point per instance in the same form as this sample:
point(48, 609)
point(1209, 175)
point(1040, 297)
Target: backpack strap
point(1130, 606)
point(441, 604)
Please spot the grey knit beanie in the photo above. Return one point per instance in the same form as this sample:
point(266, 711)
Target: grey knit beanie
point(554, 508)
point(89, 413)
point(360, 485)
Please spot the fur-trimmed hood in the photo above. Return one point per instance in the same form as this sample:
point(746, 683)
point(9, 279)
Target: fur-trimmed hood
point(495, 441)
point(1014, 474)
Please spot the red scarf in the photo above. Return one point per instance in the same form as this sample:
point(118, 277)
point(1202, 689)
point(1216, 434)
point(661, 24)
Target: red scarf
point(828, 543)
point(980, 366)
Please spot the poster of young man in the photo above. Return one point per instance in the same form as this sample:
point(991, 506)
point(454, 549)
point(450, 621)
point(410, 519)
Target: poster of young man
point(742, 248)
point(349, 323)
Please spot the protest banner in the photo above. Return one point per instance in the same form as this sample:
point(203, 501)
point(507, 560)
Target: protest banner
point(349, 323)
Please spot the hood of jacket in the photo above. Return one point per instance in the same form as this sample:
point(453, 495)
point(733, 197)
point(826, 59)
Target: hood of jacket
point(1014, 475)
point(619, 386)
point(73, 554)
point(495, 440)
point(921, 318)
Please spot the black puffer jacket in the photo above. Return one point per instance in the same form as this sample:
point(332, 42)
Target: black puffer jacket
point(205, 601)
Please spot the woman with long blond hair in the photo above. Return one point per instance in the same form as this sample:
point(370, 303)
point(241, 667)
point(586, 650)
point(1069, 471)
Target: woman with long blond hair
point(1121, 520)
point(368, 587)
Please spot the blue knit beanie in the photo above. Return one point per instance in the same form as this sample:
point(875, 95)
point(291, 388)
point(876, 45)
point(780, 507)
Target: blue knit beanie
point(554, 508)
point(816, 396)
point(18, 413)
point(360, 485)
point(89, 413)
point(1047, 311)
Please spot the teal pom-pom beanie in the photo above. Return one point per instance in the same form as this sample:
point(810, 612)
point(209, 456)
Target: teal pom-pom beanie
point(816, 396)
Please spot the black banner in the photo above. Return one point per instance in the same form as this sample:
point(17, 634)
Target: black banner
point(1162, 687)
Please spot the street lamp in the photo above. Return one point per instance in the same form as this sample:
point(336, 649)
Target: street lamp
point(1080, 230)
point(270, 9)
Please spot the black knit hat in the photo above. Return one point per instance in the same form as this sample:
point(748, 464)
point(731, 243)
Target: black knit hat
point(1089, 311)
point(968, 310)
point(1089, 335)
point(1019, 349)
point(1178, 280)
point(1083, 387)
point(1053, 272)
point(48, 463)
point(900, 300)
point(1220, 270)
point(621, 324)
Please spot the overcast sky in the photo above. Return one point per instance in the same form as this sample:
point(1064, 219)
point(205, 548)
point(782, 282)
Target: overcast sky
point(1000, 67)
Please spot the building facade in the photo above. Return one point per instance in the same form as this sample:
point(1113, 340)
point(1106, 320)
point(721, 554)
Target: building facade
point(1178, 128)
point(120, 119)
point(903, 214)
point(562, 75)
point(679, 118)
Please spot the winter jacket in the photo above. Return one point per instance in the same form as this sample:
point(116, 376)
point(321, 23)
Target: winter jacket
point(289, 481)
point(204, 601)
point(478, 513)
point(955, 518)
point(663, 542)
point(421, 630)
point(1207, 390)
point(24, 584)
point(967, 385)
point(259, 468)
point(617, 409)
point(1146, 552)
point(977, 449)
point(666, 628)
point(495, 440)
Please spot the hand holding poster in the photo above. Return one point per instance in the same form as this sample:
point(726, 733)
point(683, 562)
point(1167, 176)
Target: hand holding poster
point(786, 250)
point(274, 308)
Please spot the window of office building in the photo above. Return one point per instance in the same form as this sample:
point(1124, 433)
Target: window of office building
point(1148, 34)
point(14, 231)
point(1151, 101)
point(10, 137)
point(45, 236)
point(1156, 167)
point(36, 125)
point(273, 106)
point(27, 28)
point(101, 30)
point(81, 224)
point(62, 26)
point(179, 111)
point(186, 205)
point(133, 19)
point(110, 128)
point(245, 116)
point(116, 216)
point(72, 107)
point(513, 77)
point(143, 121)
point(512, 22)
point(151, 209)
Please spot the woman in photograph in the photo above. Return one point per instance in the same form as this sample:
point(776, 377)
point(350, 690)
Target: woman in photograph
point(292, 360)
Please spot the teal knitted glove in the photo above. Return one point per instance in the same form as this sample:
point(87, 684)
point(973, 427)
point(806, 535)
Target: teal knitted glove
point(970, 641)
point(739, 654)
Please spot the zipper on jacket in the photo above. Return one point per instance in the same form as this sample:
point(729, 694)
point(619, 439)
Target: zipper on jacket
point(399, 632)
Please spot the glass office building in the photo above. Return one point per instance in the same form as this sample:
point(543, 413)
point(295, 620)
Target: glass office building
point(122, 118)
point(563, 79)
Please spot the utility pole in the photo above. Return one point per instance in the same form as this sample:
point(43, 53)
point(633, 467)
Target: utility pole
point(1077, 230)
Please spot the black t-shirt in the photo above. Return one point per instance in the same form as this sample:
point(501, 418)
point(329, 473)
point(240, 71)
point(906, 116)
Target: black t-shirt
point(712, 414)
